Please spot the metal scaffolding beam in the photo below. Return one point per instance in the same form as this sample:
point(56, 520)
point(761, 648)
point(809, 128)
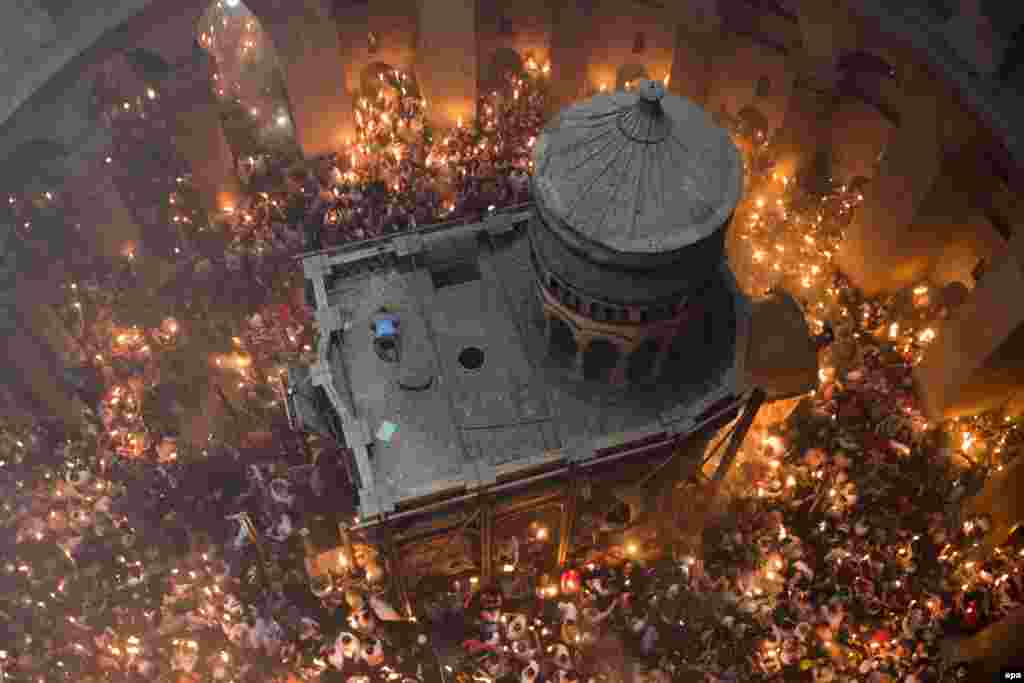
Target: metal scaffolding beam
point(757, 397)
point(487, 542)
point(568, 520)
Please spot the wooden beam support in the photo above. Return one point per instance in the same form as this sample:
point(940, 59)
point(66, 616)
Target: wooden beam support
point(487, 542)
point(742, 427)
point(397, 570)
point(569, 507)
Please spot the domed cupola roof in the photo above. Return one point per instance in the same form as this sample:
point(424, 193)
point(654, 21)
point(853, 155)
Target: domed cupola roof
point(628, 176)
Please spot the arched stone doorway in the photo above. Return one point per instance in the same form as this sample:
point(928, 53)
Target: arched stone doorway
point(628, 74)
point(641, 362)
point(562, 342)
point(599, 359)
point(504, 65)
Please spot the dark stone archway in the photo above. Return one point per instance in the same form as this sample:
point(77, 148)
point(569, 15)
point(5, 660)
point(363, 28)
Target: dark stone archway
point(641, 362)
point(562, 344)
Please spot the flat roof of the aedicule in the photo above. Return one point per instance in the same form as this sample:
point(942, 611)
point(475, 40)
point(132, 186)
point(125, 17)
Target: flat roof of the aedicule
point(470, 426)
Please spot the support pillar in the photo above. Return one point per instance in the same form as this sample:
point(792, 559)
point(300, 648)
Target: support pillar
point(487, 543)
point(975, 362)
point(806, 125)
point(193, 108)
point(664, 349)
point(860, 135)
point(582, 346)
point(571, 24)
point(1002, 500)
point(92, 197)
point(447, 60)
point(397, 569)
point(618, 374)
point(754, 403)
point(199, 135)
point(39, 366)
point(568, 521)
point(306, 39)
point(100, 210)
point(880, 252)
point(697, 34)
point(826, 30)
point(549, 329)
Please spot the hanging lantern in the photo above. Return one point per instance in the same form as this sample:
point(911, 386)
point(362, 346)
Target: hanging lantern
point(570, 581)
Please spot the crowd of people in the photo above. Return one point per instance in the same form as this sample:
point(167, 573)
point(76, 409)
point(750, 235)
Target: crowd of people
point(397, 175)
point(842, 556)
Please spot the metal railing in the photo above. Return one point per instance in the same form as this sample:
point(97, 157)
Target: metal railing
point(463, 495)
point(358, 245)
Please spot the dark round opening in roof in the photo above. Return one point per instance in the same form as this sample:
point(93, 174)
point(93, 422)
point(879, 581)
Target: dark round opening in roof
point(471, 358)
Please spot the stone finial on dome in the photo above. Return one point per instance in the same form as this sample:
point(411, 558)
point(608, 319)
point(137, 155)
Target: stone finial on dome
point(646, 121)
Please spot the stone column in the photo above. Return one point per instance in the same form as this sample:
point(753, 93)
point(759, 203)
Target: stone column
point(664, 349)
point(97, 207)
point(198, 133)
point(95, 203)
point(976, 361)
point(40, 376)
point(618, 374)
point(1001, 499)
point(582, 346)
point(33, 338)
point(571, 24)
point(697, 30)
point(826, 30)
point(306, 39)
point(549, 330)
point(187, 94)
point(859, 137)
point(806, 125)
point(942, 216)
point(880, 252)
point(446, 60)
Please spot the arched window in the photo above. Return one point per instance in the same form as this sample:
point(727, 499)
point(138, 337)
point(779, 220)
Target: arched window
point(599, 359)
point(641, 362)
point(562, 343)
point(372, 42)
